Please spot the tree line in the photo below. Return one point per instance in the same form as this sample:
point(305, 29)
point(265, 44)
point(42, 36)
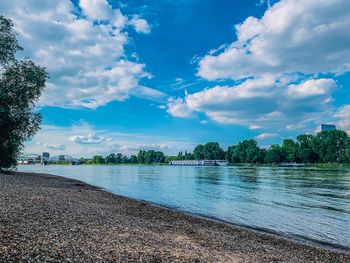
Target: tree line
point(143, 157)
point(324, 147)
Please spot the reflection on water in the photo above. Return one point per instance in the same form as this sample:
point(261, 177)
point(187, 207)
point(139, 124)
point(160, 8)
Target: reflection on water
point(305, 202)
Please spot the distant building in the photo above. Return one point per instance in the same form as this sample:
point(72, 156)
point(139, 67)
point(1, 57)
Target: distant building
point(328, 127)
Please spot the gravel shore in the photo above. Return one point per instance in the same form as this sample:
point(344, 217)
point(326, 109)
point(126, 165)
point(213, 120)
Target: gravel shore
point(46, 218)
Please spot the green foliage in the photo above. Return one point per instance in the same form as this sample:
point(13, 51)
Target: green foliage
point(291, 150)
point(21, 84)
point(198, 152)
point(8, 41)
point(98, 159)
point(212, 151)
point(151, 156)
point(331, 146)
point(305, 141)
point(274, 154)
point(307, 155)
point(246, 151)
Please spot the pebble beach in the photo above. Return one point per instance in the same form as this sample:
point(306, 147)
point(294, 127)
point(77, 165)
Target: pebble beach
point(48, 218)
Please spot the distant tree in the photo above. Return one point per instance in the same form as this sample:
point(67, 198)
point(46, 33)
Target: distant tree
point(213, 151)
point(198, 152)
point(305, 141)
point(133, 159)
point(98, 159)
point(125, 159)
point(83, 160)
point(307, 155)
point(248, 151)
point(306, 152)
point(111, 158)
point(159, 157)
point(331, 146)
point(274, 154)
point(141, 156)
point(231, 154)
point(291, 150)
point(118, 158)
point(21, 84)
point(261, 155)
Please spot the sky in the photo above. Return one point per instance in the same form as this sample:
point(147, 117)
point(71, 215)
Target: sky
point(168, 75)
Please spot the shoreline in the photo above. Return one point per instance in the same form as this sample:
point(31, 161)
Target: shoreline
point(160, 233)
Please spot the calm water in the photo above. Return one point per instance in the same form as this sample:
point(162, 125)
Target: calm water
point(308, 203)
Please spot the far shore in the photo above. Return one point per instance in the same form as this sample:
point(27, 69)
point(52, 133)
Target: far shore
point(51, 218)
point(307, 165)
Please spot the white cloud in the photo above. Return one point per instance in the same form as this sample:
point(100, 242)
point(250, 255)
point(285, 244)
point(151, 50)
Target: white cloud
point(265, 102)
point(178, 108)
point(313, 87)
point(264, 136)
point(96, 9)
point(304, 36)
point(52, 146)
point(156, 147)
point(343, 117)
point(140, 25)
point(83, 140)
point(87, 139)
point(254, 127)
point(277, 61)
point(86, 59)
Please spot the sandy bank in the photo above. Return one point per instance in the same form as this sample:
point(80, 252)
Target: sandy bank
point(54, 219)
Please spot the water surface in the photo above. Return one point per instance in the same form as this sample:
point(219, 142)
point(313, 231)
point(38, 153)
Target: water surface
point(308, 203)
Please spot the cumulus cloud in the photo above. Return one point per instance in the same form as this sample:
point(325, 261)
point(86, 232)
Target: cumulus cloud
point(304, 36)
point(52, 146)
point(141, 25)
point(266, 136)
point(314, 87)
point(84, 51)
point(277, 61)
point(343, 118)
point(260, 103)
point(179, 108)
point(87, 139)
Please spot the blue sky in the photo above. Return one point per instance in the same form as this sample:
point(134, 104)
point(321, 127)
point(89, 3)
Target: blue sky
point(167, 75)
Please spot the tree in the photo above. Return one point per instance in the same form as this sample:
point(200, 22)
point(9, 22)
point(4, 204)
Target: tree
point(141, 156)
point(133, 159)
point(305, 141)
point(98, 159)
point(231, 155)
point(291, 150)
point(21, 84)
point(307, 155)
point(111, 158)
point(274, 154)
point(246, 151)
point(331, 146)
point(212, 151)
point(198, 152)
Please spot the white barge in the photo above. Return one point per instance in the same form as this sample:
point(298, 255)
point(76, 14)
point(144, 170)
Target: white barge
point(199, 162)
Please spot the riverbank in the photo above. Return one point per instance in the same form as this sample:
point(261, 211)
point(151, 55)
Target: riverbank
point(51, 218)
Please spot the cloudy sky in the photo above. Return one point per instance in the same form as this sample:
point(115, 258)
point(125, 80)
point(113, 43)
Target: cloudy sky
point(167, 75)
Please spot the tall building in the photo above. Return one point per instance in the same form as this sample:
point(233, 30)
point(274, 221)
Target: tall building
point(328, 127)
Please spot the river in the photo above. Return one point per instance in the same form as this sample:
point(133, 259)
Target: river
point(306, 203)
